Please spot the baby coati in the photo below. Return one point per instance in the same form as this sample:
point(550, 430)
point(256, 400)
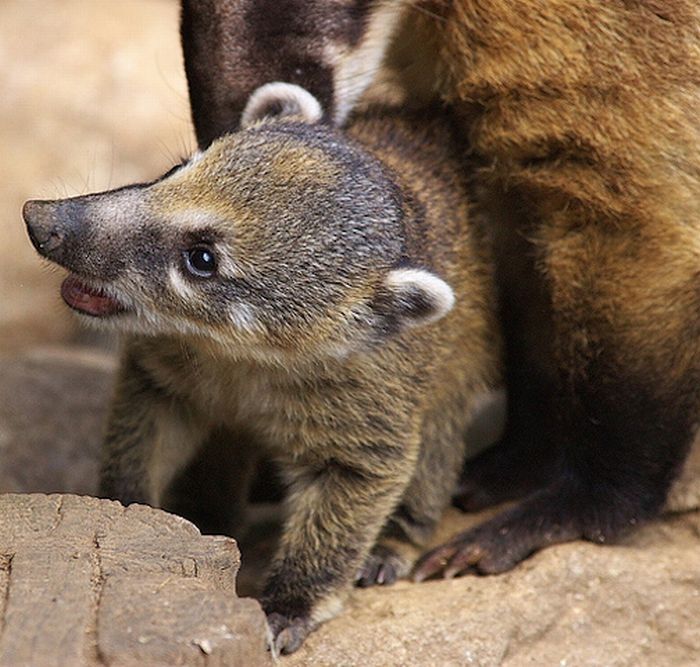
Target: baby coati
point(584, 147)
point(318, 296)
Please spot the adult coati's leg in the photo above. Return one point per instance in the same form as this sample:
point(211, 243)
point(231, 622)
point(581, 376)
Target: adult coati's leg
point(626, 335)
point(524, 460)
point(598, 167)
point(150, 437)
point(231, 47)
point(526, 456)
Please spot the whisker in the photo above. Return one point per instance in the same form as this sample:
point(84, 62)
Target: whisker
point(425, 11)
point(173, 89)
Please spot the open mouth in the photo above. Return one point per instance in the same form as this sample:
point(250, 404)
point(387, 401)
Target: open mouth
point(89, 300)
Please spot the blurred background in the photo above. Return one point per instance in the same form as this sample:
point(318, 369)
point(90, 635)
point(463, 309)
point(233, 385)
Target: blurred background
point(92, 95)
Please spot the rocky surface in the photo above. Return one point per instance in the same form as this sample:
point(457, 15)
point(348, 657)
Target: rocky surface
point(89, 582)
point(632, 604)
point(53, 404)
point(636, 604)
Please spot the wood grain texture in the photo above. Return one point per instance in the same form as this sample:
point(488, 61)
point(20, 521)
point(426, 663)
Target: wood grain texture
point(85, 581)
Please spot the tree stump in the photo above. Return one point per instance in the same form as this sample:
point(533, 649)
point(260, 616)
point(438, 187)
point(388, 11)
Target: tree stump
point(85, 581)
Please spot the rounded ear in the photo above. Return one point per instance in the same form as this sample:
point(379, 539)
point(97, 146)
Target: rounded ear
point(414, 297)
point(281, 100)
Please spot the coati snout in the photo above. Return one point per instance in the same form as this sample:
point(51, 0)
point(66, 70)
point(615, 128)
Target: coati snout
point(45, 231)
point(68, 232)
point(276, 235)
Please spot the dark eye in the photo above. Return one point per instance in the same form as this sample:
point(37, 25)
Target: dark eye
point(200, 261)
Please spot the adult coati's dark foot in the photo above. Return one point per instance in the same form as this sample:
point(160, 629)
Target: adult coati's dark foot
point(547, 517)
point(288, 634)
point(383, 567)
point(507, 471)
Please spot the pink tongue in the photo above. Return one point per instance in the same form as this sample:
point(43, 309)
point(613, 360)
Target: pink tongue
point(86, 299)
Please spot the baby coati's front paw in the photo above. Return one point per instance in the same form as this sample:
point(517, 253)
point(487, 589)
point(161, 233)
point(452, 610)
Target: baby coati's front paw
point(287, 633)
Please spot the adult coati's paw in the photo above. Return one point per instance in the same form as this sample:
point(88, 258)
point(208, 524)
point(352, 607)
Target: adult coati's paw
point(287, 634)
point(383, 567)
point(486, 549)
point(544, 518)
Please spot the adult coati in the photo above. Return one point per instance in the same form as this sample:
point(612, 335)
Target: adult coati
point(584, 138)
point(282, 290)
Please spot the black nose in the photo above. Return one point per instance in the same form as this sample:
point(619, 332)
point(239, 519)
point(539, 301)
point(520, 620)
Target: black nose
point(43, 225)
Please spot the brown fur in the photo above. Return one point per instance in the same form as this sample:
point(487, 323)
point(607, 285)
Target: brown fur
point(583, 116)
point(582, 120)
point(310, 345)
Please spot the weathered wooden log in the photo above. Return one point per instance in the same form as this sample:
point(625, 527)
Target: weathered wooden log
point(89, 582)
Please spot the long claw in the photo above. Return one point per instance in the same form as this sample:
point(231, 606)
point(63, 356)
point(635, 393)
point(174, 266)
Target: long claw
point(433, 562)
point(290, 639)
point(287, 634)
point(463, 559)
point(382, 567)
point(367, 574)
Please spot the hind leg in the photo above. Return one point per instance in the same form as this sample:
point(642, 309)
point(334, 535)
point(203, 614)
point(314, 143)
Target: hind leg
point(523, 459)
point(413, 522)
point(527, 455)
point(625, 333)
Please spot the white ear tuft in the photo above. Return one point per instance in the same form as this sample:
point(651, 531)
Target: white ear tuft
point(280, 100)
point(419, 296)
